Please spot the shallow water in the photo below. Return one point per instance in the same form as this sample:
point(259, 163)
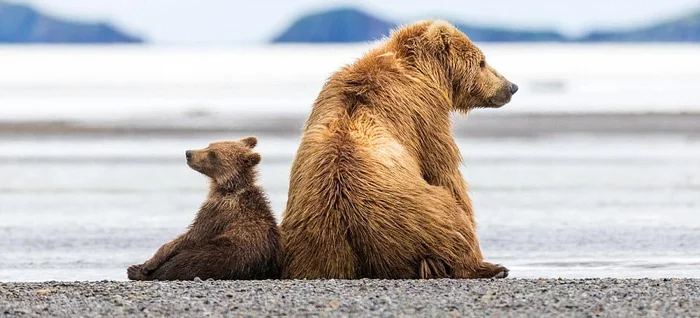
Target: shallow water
point(84, 208)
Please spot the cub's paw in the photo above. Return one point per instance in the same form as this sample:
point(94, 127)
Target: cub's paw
point(148, 267)
point(134, 272)
point(488, 270)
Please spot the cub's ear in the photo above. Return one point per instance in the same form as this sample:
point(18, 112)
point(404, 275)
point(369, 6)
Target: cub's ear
point(253, 159)
point(439, 35)
point(251, 141)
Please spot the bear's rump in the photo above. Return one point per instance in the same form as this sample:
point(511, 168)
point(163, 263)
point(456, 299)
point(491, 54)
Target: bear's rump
point(396, 228)
point(359, 196)
point(391, 218)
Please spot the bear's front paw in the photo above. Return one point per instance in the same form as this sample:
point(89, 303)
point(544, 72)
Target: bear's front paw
point(134, 272)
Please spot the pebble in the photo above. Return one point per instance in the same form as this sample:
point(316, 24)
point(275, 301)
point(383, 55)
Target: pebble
point(426, 298)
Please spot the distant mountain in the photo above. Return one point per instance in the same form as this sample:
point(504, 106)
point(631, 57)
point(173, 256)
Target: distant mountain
point(22, 24)
point(683, 29)
point(339, 25)
point(352, 25)
point(486, 34)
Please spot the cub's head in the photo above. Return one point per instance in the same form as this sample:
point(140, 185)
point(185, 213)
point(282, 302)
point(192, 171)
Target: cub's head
point(225, 160)
point(440, 48)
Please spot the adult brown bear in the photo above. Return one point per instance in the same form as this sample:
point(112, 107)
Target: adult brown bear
point(375, 188)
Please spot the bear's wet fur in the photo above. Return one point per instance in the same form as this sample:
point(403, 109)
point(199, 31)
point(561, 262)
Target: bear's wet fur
point(234, 235)
point(375, 189)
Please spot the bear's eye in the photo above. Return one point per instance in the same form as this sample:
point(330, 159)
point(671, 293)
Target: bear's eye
point(482, 64)
point(211, 155)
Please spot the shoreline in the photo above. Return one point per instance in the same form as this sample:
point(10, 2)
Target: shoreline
point(433, 298)
point(473, 125)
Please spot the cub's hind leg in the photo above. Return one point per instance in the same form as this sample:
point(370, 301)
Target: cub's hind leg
point(220, 260)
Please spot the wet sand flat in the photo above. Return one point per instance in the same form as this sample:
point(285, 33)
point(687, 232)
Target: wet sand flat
point(473, 125)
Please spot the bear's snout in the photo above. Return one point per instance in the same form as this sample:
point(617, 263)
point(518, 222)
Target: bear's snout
point(513, 88)
point(188, 154)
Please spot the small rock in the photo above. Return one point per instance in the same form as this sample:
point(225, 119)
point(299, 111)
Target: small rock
point(44, 291)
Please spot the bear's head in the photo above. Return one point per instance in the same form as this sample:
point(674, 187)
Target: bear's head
point(225, 161)
point(445, 53)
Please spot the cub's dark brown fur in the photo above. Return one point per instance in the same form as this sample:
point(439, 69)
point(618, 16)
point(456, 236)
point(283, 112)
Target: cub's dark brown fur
point(234, 235)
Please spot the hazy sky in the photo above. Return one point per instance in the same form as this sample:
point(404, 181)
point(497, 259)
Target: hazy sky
point(237, 21)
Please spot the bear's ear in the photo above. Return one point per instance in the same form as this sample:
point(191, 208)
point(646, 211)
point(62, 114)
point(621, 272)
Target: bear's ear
point(251, 141)
point(439, 35)
point(253, 159)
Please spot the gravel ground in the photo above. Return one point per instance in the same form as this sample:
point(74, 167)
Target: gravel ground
point(502, 298)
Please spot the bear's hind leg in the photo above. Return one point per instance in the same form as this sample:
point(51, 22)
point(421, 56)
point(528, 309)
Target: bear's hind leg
point(489, 270)
point(484, 270)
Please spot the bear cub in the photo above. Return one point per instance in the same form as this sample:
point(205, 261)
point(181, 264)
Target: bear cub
point(234, 235)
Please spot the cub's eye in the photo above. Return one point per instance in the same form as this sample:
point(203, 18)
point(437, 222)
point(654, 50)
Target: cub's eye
point(482, 64)
point(211, 155)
